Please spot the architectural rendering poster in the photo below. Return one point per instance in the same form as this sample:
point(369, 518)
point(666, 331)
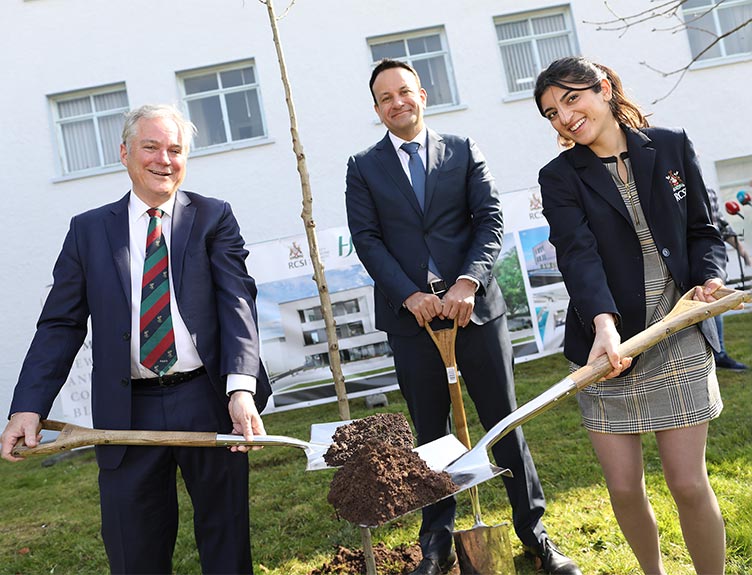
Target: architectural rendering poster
point(293, 336)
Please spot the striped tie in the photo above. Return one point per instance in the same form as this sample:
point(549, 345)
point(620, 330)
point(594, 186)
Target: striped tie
point(157, 337)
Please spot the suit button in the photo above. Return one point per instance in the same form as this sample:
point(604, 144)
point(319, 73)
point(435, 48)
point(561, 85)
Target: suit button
point(666, 252)
point(124, 382)
point(423, 266)
point(127, 336)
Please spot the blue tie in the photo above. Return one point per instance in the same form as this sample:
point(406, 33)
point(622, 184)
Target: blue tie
point(418, 177)
point(417, 171)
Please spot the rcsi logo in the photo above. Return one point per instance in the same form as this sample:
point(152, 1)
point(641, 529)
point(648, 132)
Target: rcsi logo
point(677, 185)
point(535, 210)
point(296, 258)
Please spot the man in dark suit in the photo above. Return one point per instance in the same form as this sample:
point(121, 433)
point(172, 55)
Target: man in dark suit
point(174, 333)
point(426, 222)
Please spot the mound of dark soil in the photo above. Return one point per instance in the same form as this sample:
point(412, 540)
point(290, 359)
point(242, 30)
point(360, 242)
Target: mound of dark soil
point(391, 428)
point(381, 481)
point(396, 561)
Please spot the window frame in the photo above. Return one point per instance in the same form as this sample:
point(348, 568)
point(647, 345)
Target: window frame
point(712, 7)
point(222, 92)
point(58, 122)
point(570, 33)
point(445, 53)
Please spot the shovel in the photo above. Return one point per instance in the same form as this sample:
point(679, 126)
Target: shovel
point(473, 467)
point(480, 549)
point(72, 436)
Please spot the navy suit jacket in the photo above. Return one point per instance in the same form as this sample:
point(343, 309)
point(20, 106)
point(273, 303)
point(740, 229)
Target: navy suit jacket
point(461, 226)
point(597, 248)
point(214, 293)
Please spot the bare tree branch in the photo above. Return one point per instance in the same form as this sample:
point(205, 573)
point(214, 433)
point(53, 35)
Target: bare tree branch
point(622, 23)
point(667, 9)
point(684, 69)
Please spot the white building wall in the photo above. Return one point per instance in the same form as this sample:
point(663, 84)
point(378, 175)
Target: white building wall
point(48, 47)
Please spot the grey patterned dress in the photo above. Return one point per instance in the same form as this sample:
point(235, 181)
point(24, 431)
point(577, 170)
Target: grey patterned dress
point(673, 384)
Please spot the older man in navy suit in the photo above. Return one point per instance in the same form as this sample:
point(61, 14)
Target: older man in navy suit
point(161, 274)
point(425, 219)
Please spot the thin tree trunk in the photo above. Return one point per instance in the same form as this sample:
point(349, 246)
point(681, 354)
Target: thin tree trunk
point(326, 303)
point(310, 227)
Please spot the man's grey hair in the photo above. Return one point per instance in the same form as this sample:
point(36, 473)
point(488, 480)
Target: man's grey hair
point(150, 111)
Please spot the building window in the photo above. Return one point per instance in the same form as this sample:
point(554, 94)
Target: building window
point(339, 308)
point(224, 103)
point(427, 52)
point(708, 19)
point(352, 354)
point(89, 127)
point(530, 42)
point(315, 336)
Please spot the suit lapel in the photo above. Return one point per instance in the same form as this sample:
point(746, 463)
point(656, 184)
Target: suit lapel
point(435, 149)
point(118, 236)
point(387, 157)
point(597, 177)
point(182, 223)
point(642, 156)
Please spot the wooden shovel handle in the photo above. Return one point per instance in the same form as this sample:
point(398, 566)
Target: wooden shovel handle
point(686, 312)
point(72, 436)
point(445, 340)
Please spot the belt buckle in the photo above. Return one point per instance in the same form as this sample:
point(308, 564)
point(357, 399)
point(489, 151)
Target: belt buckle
point(437, 287)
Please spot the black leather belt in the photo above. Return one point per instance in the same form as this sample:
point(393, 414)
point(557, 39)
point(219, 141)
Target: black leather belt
point(437, 287)
point(169, 380)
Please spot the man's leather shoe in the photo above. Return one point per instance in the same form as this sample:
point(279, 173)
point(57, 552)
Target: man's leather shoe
point(550, 560)
point(724, 361)
point(430, 566)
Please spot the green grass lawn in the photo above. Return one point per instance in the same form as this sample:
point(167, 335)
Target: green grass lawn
point(49, 514)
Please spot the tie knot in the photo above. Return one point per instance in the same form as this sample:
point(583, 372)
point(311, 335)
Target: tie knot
point(410, 147)
point(155, 213)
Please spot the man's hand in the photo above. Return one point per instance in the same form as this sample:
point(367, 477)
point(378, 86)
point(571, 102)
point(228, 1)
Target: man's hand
point(23, 424)
point(424, 306)
point(459, 302)
point(607, 340)
point(246, 420)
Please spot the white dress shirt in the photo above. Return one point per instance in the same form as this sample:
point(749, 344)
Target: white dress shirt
point(188, 357)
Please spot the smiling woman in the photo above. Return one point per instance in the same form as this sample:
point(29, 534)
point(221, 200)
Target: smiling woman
point(628, 215)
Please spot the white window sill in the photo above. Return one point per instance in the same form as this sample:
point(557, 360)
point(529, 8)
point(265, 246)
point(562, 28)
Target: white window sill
point(517, 96)
point(435, 110)
point(88, 173)
point(239, 145)
point(713, 62)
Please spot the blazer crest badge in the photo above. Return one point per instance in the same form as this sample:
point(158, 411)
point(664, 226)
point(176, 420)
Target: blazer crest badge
point(677, 185)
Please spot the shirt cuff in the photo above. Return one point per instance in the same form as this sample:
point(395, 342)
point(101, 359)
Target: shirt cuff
point(472, 279)
point(240, 382)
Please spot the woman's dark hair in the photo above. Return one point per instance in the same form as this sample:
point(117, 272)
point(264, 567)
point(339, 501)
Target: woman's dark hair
point(575, 72)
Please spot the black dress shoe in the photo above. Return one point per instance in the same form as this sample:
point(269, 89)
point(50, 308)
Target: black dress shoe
point(550, 560)
point(430, 566)
point(724, 361)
